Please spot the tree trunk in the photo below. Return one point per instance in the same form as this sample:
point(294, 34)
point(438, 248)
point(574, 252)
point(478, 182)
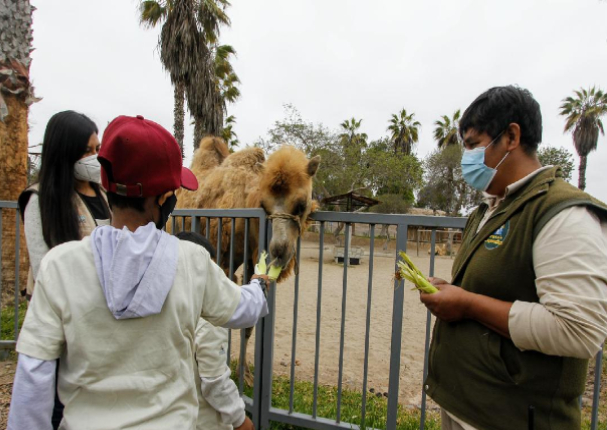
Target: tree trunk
point(179, 115)
point(199, 132)
point(16, 94)
point(582, 172)
point(13, 179)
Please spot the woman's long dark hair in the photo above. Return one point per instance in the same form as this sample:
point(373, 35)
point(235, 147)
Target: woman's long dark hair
point(65, 142)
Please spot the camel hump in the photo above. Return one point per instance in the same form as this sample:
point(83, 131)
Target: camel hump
point(249, 158)
point(211, 153)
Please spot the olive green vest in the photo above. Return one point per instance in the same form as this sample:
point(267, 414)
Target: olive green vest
point(479, 375)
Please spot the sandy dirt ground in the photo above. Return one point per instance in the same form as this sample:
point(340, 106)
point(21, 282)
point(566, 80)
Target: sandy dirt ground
point(414, 322)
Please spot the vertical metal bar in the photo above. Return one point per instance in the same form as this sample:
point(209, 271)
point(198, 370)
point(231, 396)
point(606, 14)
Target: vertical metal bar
point(17, 252)
point(219, 248)
point(318, 315)
point(173, 223)
point(363, 412)
point(264, 338)
point(232, 247)
point(598, 370)
point(243, 332)
point(231, 273)
point(182, 223)
point(294, 340)
point(397, 334)
point(195, 224)
point(422, 421)
point(207, 231)
point(343, 323)
point(245, 270)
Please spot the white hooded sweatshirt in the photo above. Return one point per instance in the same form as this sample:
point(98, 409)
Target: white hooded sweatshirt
point(120, 309)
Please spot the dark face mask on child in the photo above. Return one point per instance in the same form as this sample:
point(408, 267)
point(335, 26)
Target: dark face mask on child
point(165, 211)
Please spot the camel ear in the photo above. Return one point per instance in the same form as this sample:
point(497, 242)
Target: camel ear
point(313, 165)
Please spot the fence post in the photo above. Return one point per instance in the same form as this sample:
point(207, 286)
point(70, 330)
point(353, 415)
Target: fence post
point(264, 343)
point(397, 334)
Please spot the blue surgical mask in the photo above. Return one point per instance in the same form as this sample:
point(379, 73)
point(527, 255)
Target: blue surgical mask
point(474, 170)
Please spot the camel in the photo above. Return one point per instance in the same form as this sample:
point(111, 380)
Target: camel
point(281, 185)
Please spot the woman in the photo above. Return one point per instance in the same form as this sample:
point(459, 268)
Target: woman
point(68, 202)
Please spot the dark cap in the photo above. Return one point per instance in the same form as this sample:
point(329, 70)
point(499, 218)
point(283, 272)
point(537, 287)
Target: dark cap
point(139, 158)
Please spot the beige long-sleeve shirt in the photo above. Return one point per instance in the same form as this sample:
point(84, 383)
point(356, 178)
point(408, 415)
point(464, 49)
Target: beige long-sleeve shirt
point(570, 263)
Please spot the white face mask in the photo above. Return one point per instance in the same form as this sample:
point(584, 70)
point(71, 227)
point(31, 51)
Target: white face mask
point(88, 169)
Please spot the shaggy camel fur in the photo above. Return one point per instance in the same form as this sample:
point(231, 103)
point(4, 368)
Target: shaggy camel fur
point(280, 185)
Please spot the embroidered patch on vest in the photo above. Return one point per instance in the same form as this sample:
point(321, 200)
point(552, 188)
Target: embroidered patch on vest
point(81, 219)
point(498, 236)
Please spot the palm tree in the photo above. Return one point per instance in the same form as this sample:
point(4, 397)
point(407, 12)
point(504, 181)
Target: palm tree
point(350, 134)
point(16, 94)
point(189, 29)
point(583, 116)
point(446, 134)
point(404, 132)
point(446, 131)
point(226, 89)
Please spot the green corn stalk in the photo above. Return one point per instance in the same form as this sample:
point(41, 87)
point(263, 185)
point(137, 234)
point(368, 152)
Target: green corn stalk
point(274, 272)
point(261, 267)
point(408, 271)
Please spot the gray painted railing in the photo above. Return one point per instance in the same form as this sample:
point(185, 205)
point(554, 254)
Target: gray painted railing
point(260, 405)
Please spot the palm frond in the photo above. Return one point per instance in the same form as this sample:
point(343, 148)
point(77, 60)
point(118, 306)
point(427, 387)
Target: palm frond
point(151, 13)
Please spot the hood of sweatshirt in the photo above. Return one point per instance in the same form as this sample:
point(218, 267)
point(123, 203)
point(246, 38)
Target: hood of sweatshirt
point(136, 269)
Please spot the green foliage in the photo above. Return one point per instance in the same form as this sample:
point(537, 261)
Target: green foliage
point(349, 161)
point(7, 324)
point(445, 188)
point(376, 408)
point(550, 156)
point(228, 134)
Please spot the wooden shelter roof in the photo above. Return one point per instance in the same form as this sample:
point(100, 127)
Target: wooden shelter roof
point(351, 200)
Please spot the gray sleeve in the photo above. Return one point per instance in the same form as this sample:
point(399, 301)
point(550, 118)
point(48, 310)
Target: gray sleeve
point(222, 394)
point(34, 385)
point(251, 308)
point(36, 246)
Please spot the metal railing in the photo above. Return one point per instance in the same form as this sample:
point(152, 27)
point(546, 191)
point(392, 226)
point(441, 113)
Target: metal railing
point(260, 404)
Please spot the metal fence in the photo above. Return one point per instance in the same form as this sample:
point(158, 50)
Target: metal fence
point(260, 404)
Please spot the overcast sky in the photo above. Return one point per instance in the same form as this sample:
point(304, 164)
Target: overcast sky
point(332, 59)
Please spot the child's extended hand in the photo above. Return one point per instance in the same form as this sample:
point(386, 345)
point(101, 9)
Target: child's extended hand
point(266, 278)
point(246, 425)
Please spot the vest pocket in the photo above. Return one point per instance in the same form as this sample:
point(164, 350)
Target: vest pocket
point(504, 370)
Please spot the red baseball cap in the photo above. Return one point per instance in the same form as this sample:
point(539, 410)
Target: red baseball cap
point(140, 158)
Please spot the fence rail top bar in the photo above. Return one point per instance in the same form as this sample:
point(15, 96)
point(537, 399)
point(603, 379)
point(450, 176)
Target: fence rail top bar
point(362, 218)
point(393, 219)
point(8, 205)
point(223, 213)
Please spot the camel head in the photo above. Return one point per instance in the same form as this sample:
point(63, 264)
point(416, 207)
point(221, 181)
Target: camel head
point(285, 192)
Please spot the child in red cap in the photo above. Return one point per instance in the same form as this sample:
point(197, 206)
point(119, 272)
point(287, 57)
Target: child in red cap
point(120, 307)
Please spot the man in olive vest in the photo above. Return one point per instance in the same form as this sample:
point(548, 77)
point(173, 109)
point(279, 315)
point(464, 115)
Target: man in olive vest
point(527, 304)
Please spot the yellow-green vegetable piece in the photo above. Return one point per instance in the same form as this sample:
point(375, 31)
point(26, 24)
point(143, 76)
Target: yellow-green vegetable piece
point(261, 267)
point(411, 273)
point(274, 272)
